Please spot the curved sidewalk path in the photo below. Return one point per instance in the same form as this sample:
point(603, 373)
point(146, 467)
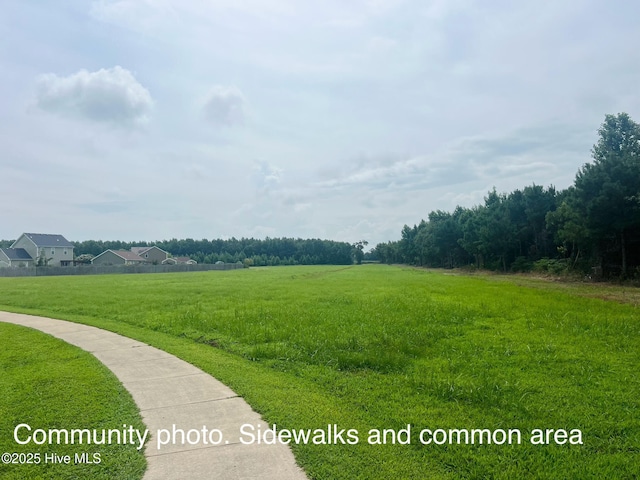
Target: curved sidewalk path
point(170, 391)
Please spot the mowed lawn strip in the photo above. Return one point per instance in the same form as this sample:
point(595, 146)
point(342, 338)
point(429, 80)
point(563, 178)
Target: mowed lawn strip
point(379, 347)
point(49, 384)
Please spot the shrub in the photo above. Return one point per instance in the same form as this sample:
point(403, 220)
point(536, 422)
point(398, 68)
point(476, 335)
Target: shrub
point(551, 265)
point(521, 264)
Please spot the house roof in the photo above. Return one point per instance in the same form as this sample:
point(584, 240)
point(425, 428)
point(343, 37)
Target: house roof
point(48, 240)
point(16, 253)
point(141, 250)
point(124, 254)
point(127, 255)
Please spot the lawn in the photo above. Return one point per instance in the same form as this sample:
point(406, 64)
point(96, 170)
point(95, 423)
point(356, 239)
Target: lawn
point(49, 384)
point(383, 347)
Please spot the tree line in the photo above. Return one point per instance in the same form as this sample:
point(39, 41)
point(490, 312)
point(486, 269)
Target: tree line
point(250, 251)
point(592, 227)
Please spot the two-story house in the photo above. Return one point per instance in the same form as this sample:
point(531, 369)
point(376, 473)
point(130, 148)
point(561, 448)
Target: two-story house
point(46, 249)
point(152, 254)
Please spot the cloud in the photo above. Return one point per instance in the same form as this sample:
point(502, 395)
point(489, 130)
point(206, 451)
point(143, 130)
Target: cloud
point(266, 176)
point(414, 172)
point(225, 106)
point(375, 174)
point(542, 154)
point(380, 110)
point(109, 95)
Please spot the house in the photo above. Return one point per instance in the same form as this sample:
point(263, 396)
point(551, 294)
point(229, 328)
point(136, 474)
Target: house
point(15, 257)
point(179, 261)
point(152, 254)
point(136, 255)
point(44, 248)
point(117, 257)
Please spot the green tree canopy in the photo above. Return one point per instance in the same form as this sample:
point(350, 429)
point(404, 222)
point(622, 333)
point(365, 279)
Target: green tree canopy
point(607, 191)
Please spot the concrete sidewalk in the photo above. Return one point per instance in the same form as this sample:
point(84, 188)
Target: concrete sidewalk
point(171, 392)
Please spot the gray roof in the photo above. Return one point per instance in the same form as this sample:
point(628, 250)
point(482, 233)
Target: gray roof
point(48, 240)
point(16, 253)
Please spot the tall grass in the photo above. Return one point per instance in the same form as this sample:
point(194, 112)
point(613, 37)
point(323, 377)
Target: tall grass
point(382, 347)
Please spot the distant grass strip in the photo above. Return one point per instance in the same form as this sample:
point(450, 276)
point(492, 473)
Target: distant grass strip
point(49, 384)
point(379, 347)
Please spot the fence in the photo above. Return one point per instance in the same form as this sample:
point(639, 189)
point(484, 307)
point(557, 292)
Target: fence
point(112, 269)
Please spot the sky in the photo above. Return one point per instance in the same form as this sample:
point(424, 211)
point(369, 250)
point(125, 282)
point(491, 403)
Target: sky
point(342, 120)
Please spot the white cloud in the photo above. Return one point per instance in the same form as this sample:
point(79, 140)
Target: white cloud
point(379, 173)
point(225, 106)
point(109, 95)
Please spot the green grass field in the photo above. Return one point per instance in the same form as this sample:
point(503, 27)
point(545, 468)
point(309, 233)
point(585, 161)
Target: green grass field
point(382, 347)
point(49, 384)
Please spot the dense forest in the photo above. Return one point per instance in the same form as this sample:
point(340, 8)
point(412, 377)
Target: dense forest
point(592, 227)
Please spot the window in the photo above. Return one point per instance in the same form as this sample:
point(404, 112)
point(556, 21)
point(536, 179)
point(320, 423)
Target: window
point(64, 251)
point(53, 252)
